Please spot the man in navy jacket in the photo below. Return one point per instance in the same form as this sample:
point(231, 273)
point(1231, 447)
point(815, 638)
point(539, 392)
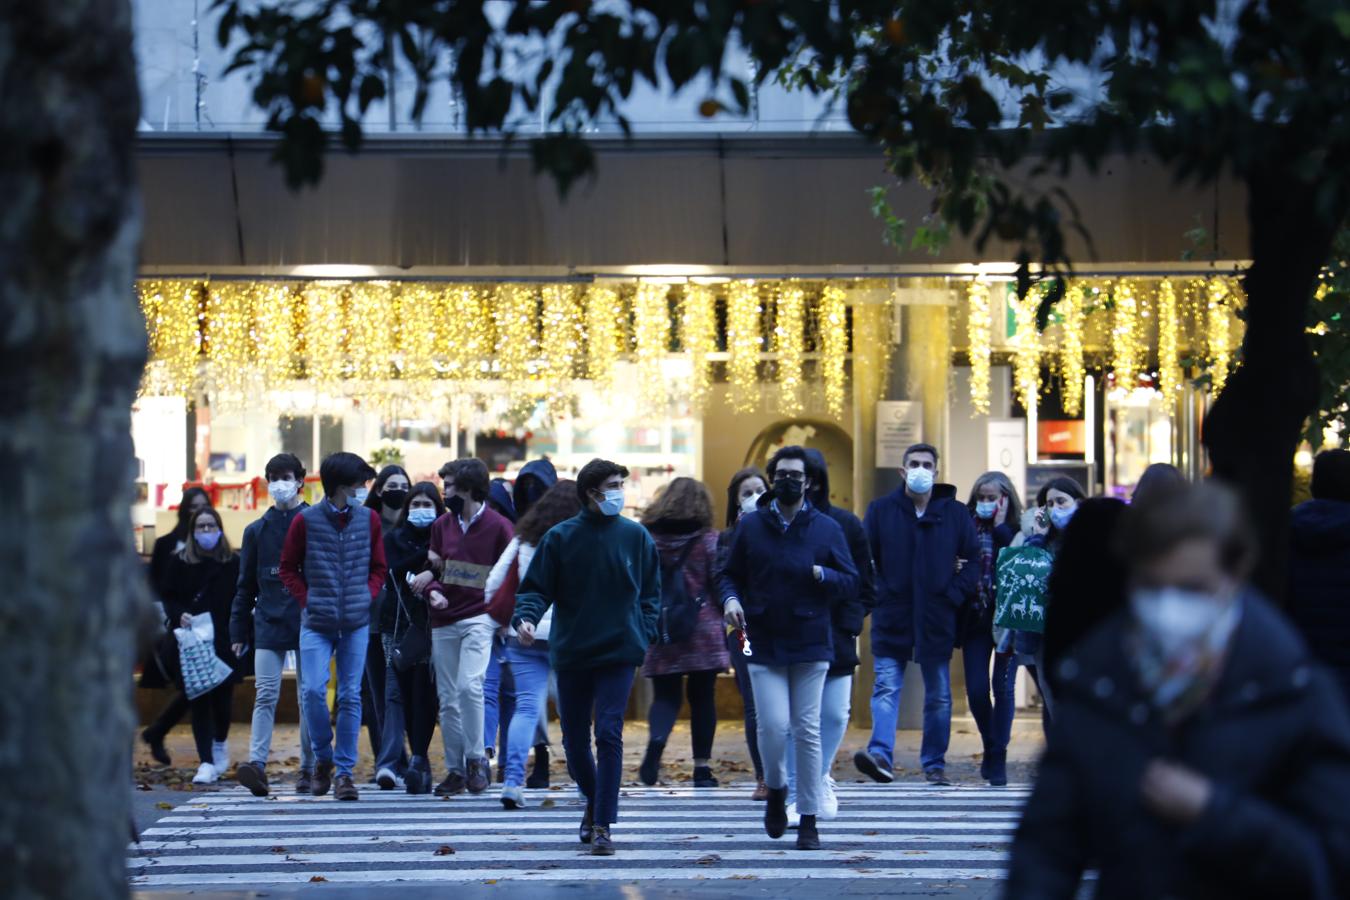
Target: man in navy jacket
point(925, 549)
point(787, 568)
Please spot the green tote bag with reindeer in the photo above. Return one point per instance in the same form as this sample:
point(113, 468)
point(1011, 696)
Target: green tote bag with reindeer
point(1020, 578)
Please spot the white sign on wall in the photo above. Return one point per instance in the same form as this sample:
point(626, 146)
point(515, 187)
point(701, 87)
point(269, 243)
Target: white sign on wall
point(1008, 451)
point(899, 426)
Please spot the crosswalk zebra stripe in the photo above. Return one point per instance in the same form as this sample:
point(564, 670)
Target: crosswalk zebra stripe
point(567, 839)
point(495, 875)
point(457, 825)
point(538, 856)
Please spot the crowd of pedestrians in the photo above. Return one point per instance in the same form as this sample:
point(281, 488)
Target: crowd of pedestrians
point(469, 604)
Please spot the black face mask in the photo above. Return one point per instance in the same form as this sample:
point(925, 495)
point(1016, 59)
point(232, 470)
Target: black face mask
point(787, 490)
point(455, 504)
point(394, 499)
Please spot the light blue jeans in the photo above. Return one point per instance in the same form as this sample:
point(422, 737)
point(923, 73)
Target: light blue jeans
point(315, 652)
point(937, 710)
point(835, 705)
point(787, 705)
point(267, 666)
point(529, 667)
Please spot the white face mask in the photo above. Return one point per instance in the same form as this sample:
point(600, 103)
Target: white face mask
point(919, 480)
point(1182, 639)
point(283, 492)
point(751, 503)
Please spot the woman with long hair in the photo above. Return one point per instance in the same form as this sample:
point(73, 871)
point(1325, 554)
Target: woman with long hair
point(529, 665)
point(691, 649)
point(381, 703)
point(200, 578)
point(993, 504)
point(747, 488)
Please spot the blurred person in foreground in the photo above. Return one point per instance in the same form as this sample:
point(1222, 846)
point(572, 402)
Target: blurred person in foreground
point(1319, 565)
point(1197, 750)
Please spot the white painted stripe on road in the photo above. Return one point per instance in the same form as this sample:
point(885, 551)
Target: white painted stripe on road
point(508, 819)
point(599, 873)
point(850, 855)
point(494, 803)
point(721, 827)
point(703, 840)
point(239, 795)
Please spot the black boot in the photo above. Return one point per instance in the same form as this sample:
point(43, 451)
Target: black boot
point(538, 777)
point(775, 813)
point(650, 770)
point(704, 778)
point(998, 767)
point(807, 836)
point(155, 742)
point(587, 830)
point(417, 780)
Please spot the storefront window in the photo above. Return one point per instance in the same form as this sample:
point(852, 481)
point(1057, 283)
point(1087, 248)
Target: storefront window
point(1139, 433)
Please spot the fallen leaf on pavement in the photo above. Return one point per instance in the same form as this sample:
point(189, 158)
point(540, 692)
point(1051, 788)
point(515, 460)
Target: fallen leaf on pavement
point(709, 860)
point(280, 850)
point(142, 786)
point(444, 850)
point(547, 803)
point(316, 879)
point(162, 805)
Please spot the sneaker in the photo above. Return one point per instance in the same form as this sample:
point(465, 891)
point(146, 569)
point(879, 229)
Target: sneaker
point(156, 745)
point(807, 836)
point(936, 776)
point(601, 843)
point(513, 797)
point(650, 770)
point(252, 776)
point(345, 789)
point(704, 778)
point(873, 766)
point(453, 784)
point(323, 779)
point(206, 774)
point(220, 756)
point(477, 780)
point(761, 791)
point(829, 800)
point(305, 782)
point(587, 830)
point(386, 779)
point(794, 818)
point(775, 814)
point(539, 773)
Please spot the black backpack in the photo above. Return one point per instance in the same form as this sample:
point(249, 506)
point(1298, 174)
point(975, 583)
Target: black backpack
point(679, 611)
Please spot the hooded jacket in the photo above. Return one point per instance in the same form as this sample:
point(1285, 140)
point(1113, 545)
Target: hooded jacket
point(534, 480)
point(260, 596)
point(1273, 739)
point(849, 614)
point(919, 592)
point(1319, 582)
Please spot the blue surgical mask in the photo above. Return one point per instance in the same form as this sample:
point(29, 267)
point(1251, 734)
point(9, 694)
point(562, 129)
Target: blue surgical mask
point(920, 480)
point(1060, 516)
point(208, 540)
point(612, 505)
point(985, 509)
point(421, 517)
point(358, 497)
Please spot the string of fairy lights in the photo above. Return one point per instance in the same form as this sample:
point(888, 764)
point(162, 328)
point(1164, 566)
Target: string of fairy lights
point(1183, 328)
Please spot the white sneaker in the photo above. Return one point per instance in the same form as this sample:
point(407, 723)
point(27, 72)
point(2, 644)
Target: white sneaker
point(829, 801)
point(386, 779)
point(220, 757)
point(794, 817)
point(513, 797)
point(206, 774)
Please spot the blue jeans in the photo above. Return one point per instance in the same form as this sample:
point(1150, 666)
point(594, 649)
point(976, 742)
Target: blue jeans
point(937, 710)
point(604, 690)
point(529, 667)
point(499, 700)
point(993, 719)
point(315, 652)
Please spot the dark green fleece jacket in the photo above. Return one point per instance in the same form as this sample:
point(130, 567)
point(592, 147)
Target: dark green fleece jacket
point(602, 577)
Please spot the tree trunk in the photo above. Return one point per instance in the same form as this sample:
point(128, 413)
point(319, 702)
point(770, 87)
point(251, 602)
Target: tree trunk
point(1257, 422)
point(72, 346)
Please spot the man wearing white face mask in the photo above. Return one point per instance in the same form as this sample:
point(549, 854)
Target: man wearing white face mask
point(925, 551)
point(267, 616)
point(1198, 750)
point(601, 575)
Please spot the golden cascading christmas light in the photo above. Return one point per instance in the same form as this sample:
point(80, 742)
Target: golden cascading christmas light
point(1027, 355)
point(1071, 368)
point(789, 344)
point(833, 319)
point(603, 334)
point(560, 339)
point(1127, 354)
point(517, 326)
point(1217, 336)
point(979, 337)
point(698, 338)
point(1169, 344)
point(744, 345)
point(651, 338)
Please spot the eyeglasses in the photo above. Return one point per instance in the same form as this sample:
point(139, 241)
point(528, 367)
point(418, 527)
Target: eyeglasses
point(790, 476)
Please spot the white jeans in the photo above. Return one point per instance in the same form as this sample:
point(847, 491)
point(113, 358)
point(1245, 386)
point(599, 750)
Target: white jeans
point(267, 665)
point(787, 705)
point(459, 654)
point(835, 704)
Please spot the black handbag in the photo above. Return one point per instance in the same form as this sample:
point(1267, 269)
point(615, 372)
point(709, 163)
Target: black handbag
point(414, 648)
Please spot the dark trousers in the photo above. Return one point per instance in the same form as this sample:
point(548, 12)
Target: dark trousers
point(994, 719)
point(211, 719)
point(701, 688)
point(421, 707)
point(170, 716)
point(740, 663)
point(372, 693)
point(604, 693)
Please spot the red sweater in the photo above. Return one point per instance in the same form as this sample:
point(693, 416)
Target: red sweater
point(468, 560)
point(293, 556)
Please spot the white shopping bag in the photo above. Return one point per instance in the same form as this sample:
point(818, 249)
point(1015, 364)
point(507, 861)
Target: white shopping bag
point(203, 671)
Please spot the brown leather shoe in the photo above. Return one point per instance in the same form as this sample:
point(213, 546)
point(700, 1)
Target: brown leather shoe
point(252, 776)
point(304, 783)
point(477, 780)
point(453, 784)
point(345, 789)
point(323, 779)
point(761, 791)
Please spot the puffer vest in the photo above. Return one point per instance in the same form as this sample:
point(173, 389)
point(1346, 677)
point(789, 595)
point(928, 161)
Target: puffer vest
point(337, 570)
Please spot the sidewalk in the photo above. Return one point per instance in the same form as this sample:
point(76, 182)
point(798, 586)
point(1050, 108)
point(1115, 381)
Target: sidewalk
point(731, 763)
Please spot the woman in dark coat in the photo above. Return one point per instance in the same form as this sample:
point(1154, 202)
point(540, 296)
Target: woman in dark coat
point(200, 578)
point(680, 522)
point(405, 549)
point(1198, 750)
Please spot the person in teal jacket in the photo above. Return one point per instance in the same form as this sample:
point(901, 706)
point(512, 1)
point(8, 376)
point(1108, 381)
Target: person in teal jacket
point(601, 574)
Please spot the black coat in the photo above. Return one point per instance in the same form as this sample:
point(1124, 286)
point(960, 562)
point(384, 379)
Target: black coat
point(204, 587)
point(1319, 582)
point(405, 549)
point(263, 608)
point(848, 617)
point(977, 616)
point(1274, 739)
